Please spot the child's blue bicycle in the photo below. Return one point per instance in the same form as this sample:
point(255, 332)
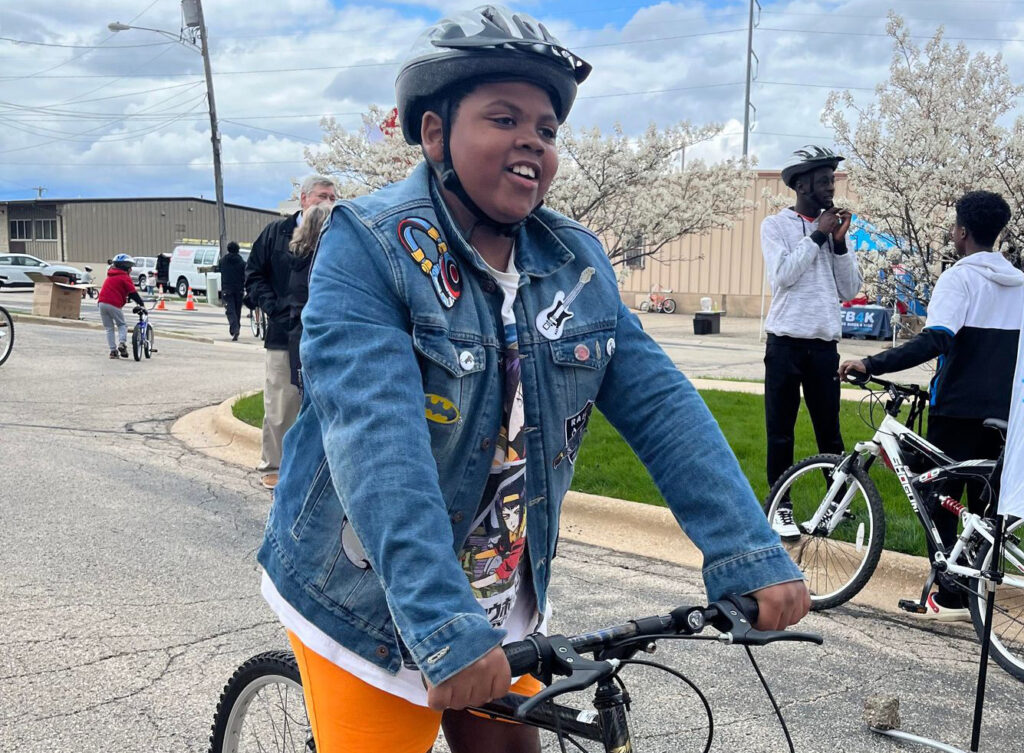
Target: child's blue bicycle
point(142, 335)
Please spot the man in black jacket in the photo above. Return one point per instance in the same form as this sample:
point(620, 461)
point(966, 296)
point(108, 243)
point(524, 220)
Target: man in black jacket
point(266, 283)
point(232, 287)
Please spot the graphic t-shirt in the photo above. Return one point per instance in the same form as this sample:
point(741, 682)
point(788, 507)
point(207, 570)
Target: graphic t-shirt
point(494, 557)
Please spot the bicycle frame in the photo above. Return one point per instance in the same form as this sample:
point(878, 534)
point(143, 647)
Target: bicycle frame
point(886, 444)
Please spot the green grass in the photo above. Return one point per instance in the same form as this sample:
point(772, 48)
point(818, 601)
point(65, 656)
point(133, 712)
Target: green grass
point(250, 409)
point(607, 466)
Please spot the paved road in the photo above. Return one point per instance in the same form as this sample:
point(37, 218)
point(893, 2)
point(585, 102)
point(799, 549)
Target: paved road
point(736, 353)
point(129, 589)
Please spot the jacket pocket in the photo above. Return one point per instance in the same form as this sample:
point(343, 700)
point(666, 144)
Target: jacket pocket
point(453, 371)
point(580, 361)
point(321, 479)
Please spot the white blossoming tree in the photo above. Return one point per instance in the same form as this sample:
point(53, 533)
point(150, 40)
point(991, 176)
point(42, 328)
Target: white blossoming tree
point(931, 134)
point(367, 159)
point(632, 192)
point(635, 193)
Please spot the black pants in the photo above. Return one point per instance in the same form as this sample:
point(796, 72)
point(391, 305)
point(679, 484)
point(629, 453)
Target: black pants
point(233, 308)
point(790, 363)
point(961, 439)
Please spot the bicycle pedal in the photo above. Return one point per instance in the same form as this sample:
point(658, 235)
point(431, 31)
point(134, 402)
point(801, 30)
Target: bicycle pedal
point(914, 607)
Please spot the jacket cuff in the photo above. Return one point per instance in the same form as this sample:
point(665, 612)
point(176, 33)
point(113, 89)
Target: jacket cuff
point(839, 248)
point(749, 572)
point(454, 646)
point(818, 237)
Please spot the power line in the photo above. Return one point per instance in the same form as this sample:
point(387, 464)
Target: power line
point(385, 64)
point(814, 86)
point(882, 34)
point(84, 46)
point(38, 74)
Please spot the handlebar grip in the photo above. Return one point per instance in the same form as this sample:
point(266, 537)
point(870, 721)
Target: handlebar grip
point(859, 378)
point(747, 605)
point(523, 657)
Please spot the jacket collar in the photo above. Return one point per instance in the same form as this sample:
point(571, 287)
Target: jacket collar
point(539, 252)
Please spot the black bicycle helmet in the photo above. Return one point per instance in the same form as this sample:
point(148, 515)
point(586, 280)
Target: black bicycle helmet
point(489, 43)
point(808, 158)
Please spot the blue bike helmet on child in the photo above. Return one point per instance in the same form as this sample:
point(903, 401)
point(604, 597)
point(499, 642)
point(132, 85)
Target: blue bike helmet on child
point(123, 261)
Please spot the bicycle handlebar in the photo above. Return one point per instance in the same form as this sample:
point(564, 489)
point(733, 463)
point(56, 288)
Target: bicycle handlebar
point(544, 656)
point(861, 379)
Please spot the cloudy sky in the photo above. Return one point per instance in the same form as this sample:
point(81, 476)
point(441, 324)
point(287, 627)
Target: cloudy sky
point(88, 113)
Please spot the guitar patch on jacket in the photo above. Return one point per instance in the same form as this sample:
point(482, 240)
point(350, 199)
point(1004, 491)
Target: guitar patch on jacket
point(442, 270)
point(551, 320)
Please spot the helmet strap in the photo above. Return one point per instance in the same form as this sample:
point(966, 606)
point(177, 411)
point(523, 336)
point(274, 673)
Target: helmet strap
point(450, 180)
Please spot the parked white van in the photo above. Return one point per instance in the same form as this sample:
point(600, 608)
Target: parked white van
point(183, 272)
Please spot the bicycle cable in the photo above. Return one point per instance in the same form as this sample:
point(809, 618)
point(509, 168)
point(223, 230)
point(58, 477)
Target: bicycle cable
point(688, 681)
point(768, 692)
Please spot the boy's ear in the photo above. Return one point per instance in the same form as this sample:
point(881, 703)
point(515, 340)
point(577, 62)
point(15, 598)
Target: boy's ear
point(432, 136)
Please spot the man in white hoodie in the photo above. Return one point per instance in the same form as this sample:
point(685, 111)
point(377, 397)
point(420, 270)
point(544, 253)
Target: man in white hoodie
point(974, 321)
point(810, 272)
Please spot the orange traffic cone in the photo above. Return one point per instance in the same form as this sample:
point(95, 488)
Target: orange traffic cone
point(190, 302)
point(160, 305)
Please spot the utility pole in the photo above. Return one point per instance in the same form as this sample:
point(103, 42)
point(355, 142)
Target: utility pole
point(40, 190)
point(750, 58)
point(192, 12)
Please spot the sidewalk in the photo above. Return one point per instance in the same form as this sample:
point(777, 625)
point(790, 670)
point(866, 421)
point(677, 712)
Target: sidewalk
point(620, 525)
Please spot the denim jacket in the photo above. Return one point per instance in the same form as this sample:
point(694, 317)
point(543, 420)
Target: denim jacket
point(385, 466)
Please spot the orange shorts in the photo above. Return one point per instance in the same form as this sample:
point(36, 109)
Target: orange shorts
point(349, 716)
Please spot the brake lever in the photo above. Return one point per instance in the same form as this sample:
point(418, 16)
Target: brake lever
point(731, 621)
point(579, 672)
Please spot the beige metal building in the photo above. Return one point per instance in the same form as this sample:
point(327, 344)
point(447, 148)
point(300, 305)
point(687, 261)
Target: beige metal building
point(724, 265)
point(90, 231)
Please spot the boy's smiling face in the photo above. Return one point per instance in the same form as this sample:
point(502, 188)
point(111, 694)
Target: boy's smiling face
point(503, 148)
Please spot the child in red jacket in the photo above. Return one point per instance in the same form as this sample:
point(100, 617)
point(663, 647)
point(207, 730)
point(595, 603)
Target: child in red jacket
point(117, 289)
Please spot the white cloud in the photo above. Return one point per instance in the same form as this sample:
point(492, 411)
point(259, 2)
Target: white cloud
point(687, 56)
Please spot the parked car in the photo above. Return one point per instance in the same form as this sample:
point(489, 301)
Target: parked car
point(144, 271)
point(14, 267)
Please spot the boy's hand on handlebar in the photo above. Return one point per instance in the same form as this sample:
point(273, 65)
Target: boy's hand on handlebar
point(855, 365)
point(487, 678)
point(781, 605)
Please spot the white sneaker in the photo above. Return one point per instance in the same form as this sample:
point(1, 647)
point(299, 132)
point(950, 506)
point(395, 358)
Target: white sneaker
point(783, 524)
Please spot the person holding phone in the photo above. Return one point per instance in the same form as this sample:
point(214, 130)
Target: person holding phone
point(810, 272)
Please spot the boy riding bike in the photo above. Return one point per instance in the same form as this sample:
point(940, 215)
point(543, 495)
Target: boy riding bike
point(456, 339)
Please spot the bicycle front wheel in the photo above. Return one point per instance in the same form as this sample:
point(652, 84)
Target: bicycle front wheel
point(262, 708)
point(1007, 647)
point(254, 322)
point(6, 334)
point(837, 560)
point(147, 345)
point(137, 343)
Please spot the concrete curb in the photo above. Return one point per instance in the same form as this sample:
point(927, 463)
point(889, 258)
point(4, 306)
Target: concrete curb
point(78, 324)
point(620, 525)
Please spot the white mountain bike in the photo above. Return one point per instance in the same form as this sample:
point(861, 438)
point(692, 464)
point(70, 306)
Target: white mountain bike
point(841, 521)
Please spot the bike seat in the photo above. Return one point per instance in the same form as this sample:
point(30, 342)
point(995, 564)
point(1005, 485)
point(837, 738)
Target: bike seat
point(995, 423)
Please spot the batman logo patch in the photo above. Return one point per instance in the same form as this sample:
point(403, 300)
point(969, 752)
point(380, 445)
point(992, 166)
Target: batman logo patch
point(440, 410)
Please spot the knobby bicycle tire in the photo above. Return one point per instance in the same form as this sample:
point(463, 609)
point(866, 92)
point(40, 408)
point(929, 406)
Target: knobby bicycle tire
point(277, 673)
point(147, 346)
point(1007, 647)
point(6, 334)
point(837, 565)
